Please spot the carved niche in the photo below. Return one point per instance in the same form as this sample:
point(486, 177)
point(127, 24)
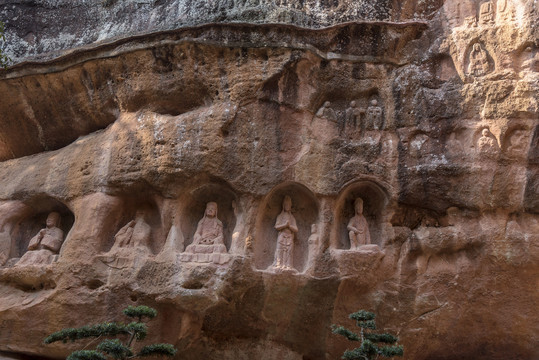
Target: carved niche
point(36, 231)
point(137, 234)
point(486, 13)
point(505, 11)
point(359, 217)
point(528, 59)
point(516, 141)
point(283, 228)
point(487, 144)
point(479, 62)
point(208, 221)
point(454, 146)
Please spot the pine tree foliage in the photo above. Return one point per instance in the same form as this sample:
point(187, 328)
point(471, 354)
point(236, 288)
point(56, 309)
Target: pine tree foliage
point(140, 312)
point(86, 355)
point(114, 348)
point(157, 349)
point(4, 59)
point(369, 341)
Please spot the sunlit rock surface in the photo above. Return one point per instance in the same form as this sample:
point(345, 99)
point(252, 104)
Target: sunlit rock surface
point(127, 118)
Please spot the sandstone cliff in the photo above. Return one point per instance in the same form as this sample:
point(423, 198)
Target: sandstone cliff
point(128, 117)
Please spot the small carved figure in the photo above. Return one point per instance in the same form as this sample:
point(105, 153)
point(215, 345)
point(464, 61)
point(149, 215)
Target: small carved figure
point(208, 241)
point(504, 10)
point(248, 246)
point(478, 65)
point(287, 228)
point(358, 229)
point(486, 144)
point(353, 115)
point(46, 243)
point(471, 21)
point(517, 142)
point(135, 233)
point(454, 146)
point(375, 119)
point(313, 241)
point(326, 112)
point(486, 13)
point(210, 228)
point(530, 60)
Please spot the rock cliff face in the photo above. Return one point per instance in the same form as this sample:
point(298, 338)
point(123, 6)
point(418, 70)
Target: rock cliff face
point(188, 148)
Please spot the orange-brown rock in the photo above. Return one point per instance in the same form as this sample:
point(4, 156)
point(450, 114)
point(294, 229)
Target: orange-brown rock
point(278, 117)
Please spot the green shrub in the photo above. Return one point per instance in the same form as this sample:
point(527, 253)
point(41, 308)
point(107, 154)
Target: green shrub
point(369, 348)
point(114, 348)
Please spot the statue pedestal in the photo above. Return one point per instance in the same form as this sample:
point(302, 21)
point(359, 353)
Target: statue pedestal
point(37, 257)
point(363, 260)
point(216, 254)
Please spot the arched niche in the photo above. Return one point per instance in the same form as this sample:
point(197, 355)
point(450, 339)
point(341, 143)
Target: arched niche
point(194, 207)
point(375, 200)
point(33, 218)
point(515, 140)
point(126, 210)
point(305, 208)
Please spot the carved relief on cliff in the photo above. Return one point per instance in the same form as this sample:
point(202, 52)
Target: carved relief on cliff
point(207, 219)
point(132, 230)
point(349, 119)
point(516, 140)
point(33, 232)
point(360, 216)
point(283, 228)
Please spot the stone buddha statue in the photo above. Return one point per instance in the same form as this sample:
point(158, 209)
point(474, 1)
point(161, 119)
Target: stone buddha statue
point(45, 244)
point(287, 228)
point(135, 234)
point(208, 239)
point(358, 229)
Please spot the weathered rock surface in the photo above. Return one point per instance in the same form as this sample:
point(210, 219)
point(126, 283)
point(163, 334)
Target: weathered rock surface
point(429, 114)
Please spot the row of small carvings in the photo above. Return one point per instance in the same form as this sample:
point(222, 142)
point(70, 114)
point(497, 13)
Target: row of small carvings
point(505, 11)
point(208, 241)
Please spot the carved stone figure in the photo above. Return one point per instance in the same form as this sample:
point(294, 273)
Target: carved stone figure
point(208, 241)
point(287, 228)
point(504, 10)
point(313, 242)
point(486, 13)
point(358, 229)
point(530, 60)
point(478, 65)
point(454, 146)
point(45, 244)
point(135, 233)
point(210, 228)
point(353, 115)
point(326, 112)
point(374, 116)
point(517, 142)
point(486, 144)
point(470, 21)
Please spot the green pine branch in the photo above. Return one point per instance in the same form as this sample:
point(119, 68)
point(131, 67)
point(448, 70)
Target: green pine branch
point(86, 355)
point(158, 349)
point(114, 348)
point(385, 338)
point(104, 329)
point(341, 330)
point(369, 348)
point(140, 312)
